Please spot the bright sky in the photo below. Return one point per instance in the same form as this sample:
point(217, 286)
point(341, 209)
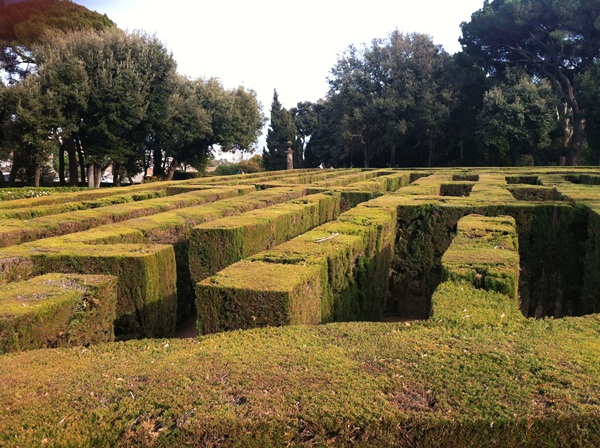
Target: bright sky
point(274, 44)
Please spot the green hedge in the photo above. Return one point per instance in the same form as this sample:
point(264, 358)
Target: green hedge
point(147, 296)
point(170, 227)
point(257, 294)
point(15, 232)
point(147, 301)
point(220, 243)
point(57, 196)
point(535, 193)
point(485, 253)
point(57, 310)
point(476, 373)
point(454, 382)
point(44, 210)
point(591, 283)
point(349, 259)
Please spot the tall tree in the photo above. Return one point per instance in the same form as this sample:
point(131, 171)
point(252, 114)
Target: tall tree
point(29, 129)
point(557, 40)
point(24, 23)
point(186, 129)
point(280, 136)
point(203, 114)
point(103, 82)
point(305, 119)
point(590, 98)
point(325, 146)
point(395, 97)
point(5, 115)
point(462, 147)
point(517, 121)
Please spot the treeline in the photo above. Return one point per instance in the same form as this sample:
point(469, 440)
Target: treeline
point(89, 95)
point(525, 90)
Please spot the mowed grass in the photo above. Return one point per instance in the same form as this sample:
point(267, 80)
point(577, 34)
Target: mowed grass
point(460, 380)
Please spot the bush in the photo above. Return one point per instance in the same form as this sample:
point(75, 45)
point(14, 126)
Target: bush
point(252, 165)
point(9, 194)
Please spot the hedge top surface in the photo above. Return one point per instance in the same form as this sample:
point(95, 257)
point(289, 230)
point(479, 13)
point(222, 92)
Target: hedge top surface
point(505, 383)
point(21, 298)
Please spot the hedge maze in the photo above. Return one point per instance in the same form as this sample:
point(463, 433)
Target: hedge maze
point(426, 307)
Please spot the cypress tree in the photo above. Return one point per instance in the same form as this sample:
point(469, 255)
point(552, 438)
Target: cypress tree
point(281, 131)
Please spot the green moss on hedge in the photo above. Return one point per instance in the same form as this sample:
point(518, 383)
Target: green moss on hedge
point(536, 193)
point(485, 253)
point(527, 383)
point(147, 300)
point(477, 373)
point(55, 225)
point(220, 243)
point(57, 310)
point(351, 258)
point(591, 274)
point(256, 294)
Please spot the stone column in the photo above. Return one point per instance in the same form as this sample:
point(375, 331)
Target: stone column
point(290, 157)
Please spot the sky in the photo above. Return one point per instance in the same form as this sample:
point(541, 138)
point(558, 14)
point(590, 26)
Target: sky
point(274, 44)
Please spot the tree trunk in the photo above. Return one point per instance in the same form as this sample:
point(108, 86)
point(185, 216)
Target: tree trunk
point(158, 170)
point(172, 169)
point(431, 157)
point(73, 168)
point(82, 167)
point(365, 157)
point(38, 175)
point(14, 169)
point(97, 175)
point(116, 172)
point(393, 156)
point(61, 165)
point(90, 175)
point(577, 141)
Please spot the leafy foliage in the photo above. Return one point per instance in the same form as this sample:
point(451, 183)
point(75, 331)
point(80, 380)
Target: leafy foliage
point(115, 98)
point(557, 40)
point(517, 121)
point(24, 24)
point(202, 114)
point(280, 136)
point(252, 165)
point(387, 98)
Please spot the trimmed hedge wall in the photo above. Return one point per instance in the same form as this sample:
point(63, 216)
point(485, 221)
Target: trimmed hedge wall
point(147, 300)
point(487, 381)
point(591, 271)
point(349, 260)
point(57, 310)
point(24, 213)
point(485, 253)
point(15, 232)
point(147, 296)
point(220, 243)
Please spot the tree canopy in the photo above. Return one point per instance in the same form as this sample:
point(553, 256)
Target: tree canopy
point(387, 98)
point(557, 40)
point(26, 23)
point(202, 114)
point(114, 98)
point(524, 90)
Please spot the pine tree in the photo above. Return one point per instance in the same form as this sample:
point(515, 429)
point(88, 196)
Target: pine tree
point(281, 131)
